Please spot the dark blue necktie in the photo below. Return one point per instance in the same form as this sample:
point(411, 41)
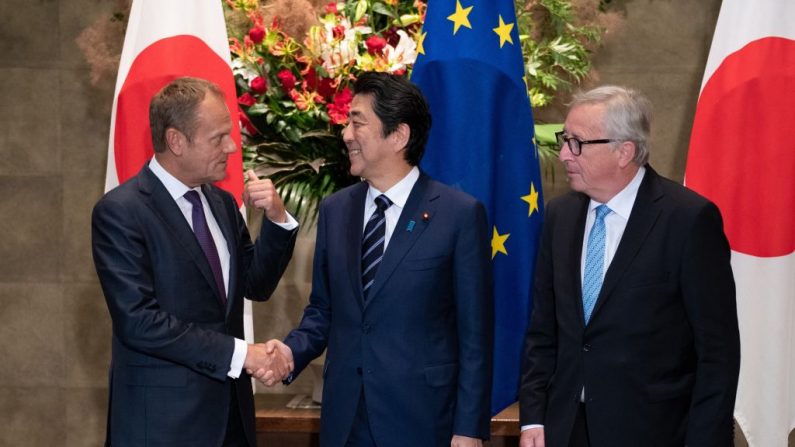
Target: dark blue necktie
point(205, 238)
point(373, 242)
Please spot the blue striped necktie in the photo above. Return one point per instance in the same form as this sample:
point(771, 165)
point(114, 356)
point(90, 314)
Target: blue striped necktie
point(594, 262)
point(373, 242)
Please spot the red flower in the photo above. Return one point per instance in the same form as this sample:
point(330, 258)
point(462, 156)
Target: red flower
point(331, 8)
point(399, 72)
point(323, 86)
point(249, 128)
point(338, 110)
point(391, 36)
point(259, 85)
point(256, 34)
point(326, 87)
point(310, 78)
point(343, 97)
point(246, 100)
point(375, 44)
point(287, 78)
point(338, 32)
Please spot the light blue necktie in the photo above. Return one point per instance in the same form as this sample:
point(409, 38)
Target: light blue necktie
point(594, 262)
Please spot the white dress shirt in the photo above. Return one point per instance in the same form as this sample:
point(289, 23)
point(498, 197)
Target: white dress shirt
point(398, 195)
point(615, 224)
point(176, 189)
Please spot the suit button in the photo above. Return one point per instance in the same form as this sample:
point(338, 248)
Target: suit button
point(366, 328)
point(359, 370)
point(586, 347)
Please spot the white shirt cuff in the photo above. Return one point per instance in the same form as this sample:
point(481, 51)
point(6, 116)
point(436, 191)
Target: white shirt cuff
point(529, 426)
point(290, 224)
point(238, 358)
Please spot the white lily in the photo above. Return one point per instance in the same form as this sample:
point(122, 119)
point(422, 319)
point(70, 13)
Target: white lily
point(401, 55)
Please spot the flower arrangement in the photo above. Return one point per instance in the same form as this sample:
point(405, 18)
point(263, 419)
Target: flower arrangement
point(294, 97)
point(294, 61)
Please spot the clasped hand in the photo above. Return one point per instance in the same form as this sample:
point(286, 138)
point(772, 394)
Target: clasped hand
point(269, 362)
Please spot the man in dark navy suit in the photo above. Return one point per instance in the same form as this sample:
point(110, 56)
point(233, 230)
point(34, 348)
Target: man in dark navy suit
point(401, 291)
point(175, 260)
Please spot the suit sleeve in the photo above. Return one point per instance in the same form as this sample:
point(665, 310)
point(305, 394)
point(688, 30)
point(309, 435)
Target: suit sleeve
point(126, 273)
point(540, 350)
point(267, 259)
point(475, 324)
point(709, 296)
point(310, 338)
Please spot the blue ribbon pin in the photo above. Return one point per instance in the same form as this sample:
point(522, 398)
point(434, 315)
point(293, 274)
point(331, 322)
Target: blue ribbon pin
point(410, 226)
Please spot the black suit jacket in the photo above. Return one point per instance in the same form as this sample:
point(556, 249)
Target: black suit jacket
point(660, 357)
point(172, 340)
point(420, 347)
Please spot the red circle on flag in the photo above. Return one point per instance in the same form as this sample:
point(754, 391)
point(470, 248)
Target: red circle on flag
point(742, 149)
point(154, 67)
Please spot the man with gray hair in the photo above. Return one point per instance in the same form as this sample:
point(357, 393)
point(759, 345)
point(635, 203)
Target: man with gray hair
point(633, 340)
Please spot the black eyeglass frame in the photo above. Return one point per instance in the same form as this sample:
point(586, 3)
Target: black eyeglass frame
point(562, 138)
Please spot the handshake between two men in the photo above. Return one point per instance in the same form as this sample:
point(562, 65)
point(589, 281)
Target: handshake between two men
point(269, 362)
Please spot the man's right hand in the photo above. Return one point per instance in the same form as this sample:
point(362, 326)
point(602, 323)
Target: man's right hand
point(267, 363)
point(281, 363)
point(533, 437)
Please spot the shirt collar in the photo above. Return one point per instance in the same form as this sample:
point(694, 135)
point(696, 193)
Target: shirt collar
point(399, 193)
point(622, 203)
point(174, 187)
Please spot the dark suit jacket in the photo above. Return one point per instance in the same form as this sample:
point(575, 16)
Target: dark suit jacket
point(660, 357)
point(172, 340)
point(420, 348)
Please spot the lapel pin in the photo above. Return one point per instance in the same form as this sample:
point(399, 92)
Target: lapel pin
point(425, 216)
point(410, 226)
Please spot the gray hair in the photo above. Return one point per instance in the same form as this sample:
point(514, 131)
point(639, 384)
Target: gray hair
point(176, 106)
point(627, 116)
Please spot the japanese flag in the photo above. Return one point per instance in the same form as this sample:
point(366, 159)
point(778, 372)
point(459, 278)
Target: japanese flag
point(167, 39)
point(742, 156)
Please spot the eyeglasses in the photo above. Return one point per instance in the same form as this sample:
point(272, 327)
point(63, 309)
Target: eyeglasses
point(575, 144)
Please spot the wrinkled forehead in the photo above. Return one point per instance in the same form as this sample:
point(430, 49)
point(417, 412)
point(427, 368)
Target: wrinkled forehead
point(585, 118)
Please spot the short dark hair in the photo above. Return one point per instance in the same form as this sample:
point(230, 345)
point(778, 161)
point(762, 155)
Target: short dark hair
point(396, 101)
point(175, 106)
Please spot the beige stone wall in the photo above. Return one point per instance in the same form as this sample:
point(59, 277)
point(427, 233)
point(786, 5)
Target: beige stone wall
point(54, 326)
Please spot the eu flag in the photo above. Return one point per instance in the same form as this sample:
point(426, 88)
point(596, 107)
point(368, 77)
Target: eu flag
point(471, 71)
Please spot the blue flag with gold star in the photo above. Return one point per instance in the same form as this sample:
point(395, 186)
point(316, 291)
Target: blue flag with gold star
point(471, 71)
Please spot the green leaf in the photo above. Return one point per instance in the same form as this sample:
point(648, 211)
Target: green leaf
point(382, 9)
point(545, 133)
point(257, 109)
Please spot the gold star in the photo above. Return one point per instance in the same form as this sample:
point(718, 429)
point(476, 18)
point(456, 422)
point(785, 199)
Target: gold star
point(498, 243)
point(532, 199)
point(504, 31)
point(420, 40)
point(460, 17)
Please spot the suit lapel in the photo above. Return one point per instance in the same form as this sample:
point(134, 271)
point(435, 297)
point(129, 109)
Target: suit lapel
point(224, 221)
point(573, 258)
point(420, 201)
point(644, 215)
point(353, 244)
point(164, 206)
